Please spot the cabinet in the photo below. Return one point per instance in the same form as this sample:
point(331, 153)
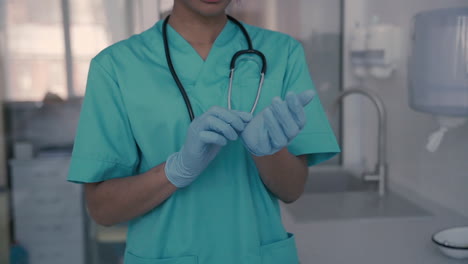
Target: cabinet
point(48, 212)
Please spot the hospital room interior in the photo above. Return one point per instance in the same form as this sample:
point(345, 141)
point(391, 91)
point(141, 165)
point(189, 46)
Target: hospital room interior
point(392, 77)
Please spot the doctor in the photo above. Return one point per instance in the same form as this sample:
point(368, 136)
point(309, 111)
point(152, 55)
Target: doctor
point(204, 191)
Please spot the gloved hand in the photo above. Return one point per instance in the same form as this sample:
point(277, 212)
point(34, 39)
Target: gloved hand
point(205, 137)
point(277, 125)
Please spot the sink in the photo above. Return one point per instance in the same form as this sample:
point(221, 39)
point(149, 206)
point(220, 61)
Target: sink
point(334, 194)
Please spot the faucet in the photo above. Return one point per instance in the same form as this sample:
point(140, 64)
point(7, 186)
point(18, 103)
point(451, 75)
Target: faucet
point(379, 174)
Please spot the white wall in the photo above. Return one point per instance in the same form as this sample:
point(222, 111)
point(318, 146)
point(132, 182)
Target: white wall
point(441, 176)
point(315, 20)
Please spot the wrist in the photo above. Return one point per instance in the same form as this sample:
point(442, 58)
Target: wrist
point(175, 171)
point(277, 154)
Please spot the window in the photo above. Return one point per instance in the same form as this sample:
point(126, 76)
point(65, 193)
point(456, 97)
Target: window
point(89, 35)
point(35, 50)
point(35, 44)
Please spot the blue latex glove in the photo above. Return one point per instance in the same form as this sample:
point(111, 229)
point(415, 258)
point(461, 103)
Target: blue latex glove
point(277, 125)
point(205, 137)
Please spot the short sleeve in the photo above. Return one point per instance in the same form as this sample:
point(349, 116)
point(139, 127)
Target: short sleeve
point(317, 139)
point(104, 146)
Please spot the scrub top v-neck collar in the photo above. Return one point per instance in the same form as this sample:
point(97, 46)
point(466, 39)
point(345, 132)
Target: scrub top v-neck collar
point(188, 64)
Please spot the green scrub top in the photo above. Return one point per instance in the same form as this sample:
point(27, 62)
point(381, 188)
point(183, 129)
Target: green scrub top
point(133, 117)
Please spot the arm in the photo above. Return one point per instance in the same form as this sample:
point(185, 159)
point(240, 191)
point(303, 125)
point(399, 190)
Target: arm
point(284, 174)
point(266, 138)
point(119, 200)
point(122, 199)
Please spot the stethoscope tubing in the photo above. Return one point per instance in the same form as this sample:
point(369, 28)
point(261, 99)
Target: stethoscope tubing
point(250, 50)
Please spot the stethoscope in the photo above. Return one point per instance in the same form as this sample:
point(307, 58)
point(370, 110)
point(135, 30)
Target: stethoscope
point(250, 50)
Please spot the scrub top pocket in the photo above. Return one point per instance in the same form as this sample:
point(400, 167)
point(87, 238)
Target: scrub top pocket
point(130, 258)
point(281, 252)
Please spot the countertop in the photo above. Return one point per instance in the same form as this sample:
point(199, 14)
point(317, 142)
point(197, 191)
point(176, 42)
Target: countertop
point(385, 239)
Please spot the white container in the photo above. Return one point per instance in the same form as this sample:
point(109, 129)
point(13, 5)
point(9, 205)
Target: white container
point(438, 67)
point(358, 51)
point(383, 50)
point(375, 49)
point(453, 242)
